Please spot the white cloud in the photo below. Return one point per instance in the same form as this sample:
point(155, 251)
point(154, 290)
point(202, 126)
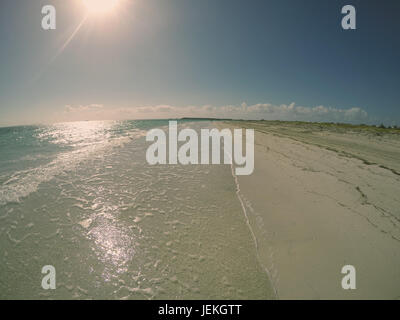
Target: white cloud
point(89, 107)
point(257, 111)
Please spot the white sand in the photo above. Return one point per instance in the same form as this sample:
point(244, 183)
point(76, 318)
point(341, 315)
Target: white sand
point(314, 210)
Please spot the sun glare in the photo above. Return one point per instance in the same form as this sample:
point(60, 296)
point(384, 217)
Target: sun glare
point(100, 6)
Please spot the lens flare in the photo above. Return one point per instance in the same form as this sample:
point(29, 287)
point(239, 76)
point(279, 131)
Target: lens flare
point(100, 6)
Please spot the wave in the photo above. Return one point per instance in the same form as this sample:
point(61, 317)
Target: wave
point(24, 182)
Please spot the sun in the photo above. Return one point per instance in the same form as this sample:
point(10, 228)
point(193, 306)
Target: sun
point(100, 7)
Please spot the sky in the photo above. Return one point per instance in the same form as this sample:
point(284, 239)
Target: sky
point(247, 59)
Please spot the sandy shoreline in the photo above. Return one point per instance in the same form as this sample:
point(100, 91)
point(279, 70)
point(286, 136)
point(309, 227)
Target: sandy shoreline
point(319, 200)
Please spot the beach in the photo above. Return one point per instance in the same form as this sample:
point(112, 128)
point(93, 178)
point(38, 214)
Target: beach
point(322, 197)
point(81, 197)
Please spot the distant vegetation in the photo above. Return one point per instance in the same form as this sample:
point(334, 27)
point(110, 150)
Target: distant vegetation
point(314, 125)
point(330, 125)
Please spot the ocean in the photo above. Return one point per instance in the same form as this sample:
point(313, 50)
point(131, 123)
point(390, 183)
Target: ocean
point(81, 197)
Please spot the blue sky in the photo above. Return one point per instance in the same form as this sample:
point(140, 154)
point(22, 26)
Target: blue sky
point(231, 58)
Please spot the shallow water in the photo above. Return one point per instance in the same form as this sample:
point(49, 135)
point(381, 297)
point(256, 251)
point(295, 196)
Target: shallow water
point(81, 197)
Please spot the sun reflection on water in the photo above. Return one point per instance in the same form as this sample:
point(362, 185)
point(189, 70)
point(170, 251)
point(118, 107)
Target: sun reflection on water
point(113, 243)
point(77, 134)
point(114, 246)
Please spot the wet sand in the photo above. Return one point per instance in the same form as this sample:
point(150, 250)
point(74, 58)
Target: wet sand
point(321, 197)
point(115, 227)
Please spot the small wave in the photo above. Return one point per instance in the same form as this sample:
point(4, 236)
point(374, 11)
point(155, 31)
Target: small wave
point(24, 182)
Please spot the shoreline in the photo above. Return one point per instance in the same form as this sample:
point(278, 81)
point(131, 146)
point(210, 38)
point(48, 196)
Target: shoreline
point(253, 235)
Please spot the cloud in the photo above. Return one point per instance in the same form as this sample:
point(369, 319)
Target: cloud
point(89, 107)
point(258, 111)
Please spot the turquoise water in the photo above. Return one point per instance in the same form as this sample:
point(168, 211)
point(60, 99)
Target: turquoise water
point(80, 196)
